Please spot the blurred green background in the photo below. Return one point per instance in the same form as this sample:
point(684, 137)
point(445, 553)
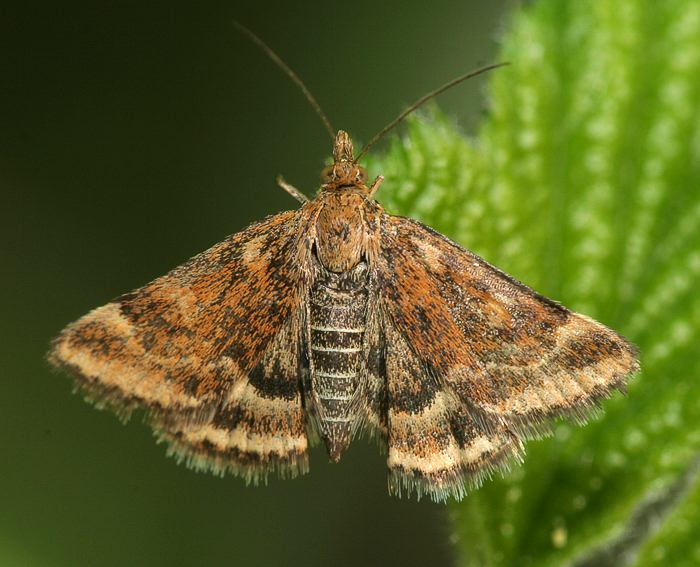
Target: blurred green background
point(135, 135)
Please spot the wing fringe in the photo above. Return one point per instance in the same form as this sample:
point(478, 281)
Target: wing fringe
point(455, 483)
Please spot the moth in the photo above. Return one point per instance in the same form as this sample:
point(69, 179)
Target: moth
point(337, 318)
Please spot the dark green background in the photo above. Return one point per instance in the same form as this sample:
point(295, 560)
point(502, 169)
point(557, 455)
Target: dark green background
point(134, 136)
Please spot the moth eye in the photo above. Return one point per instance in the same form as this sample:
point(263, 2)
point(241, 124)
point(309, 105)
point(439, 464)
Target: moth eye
point(361, 174)
point(327, 174)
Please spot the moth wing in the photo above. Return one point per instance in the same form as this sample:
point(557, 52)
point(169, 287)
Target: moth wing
point(435, 442)
point(211, 350)
point(510, 356)
point(259, 427)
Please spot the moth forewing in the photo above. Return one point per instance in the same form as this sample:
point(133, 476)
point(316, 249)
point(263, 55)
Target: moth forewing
point(209, 351)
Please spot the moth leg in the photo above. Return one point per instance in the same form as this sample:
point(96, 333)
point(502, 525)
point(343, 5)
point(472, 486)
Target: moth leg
point(377, 182)
point(293, 191)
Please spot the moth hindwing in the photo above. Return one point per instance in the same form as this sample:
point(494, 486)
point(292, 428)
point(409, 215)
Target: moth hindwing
point(335, 319)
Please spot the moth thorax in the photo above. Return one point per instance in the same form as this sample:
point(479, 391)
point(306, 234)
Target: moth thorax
point(337, 320)
point(340, 230)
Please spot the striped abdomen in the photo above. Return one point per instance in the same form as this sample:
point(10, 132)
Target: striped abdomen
point(338, 312)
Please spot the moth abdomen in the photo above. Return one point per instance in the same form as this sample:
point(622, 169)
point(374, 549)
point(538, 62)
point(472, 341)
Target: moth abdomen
point(338, 307)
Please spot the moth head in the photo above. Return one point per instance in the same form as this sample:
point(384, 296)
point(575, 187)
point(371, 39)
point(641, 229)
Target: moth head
point(344, 172)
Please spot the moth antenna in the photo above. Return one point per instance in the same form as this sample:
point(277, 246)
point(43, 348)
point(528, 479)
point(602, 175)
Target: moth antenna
point(422, 101)
point(291, 74)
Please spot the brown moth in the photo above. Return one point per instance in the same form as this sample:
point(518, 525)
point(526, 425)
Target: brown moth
point(335, 319)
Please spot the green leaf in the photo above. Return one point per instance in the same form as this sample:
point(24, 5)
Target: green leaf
point(584, 182)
